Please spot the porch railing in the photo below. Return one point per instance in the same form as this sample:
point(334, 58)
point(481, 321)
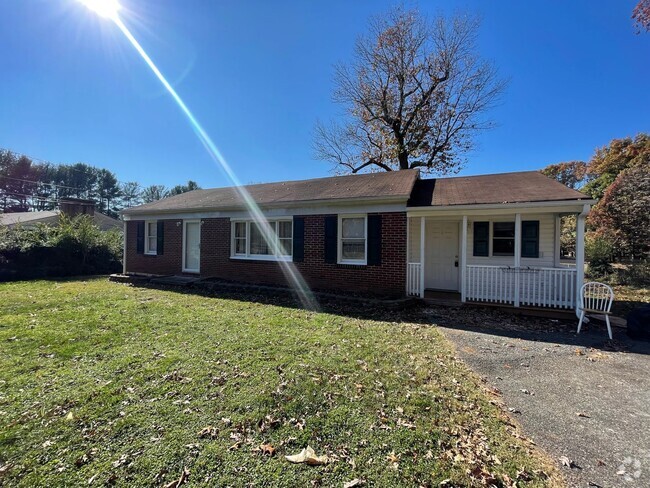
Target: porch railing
point(538, 287)
point(413, 278)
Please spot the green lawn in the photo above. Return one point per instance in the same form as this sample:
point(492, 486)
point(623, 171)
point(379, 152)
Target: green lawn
point(104, 383)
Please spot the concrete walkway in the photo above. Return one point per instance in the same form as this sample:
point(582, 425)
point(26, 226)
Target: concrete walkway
point(579, 397)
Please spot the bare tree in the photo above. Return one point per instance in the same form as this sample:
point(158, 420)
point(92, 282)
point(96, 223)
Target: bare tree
point(641, 16)
point(415, 96)
point(153, 193)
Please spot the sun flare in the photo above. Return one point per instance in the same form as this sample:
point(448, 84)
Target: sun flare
point(105, 8)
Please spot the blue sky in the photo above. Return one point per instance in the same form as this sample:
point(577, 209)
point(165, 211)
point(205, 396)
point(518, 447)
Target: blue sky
point(258, 75)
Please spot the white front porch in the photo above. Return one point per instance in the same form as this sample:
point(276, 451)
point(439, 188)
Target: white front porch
point(442, 256)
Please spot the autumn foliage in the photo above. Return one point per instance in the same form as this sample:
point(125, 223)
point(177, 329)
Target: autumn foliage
point(641, 15)
point(623, 214)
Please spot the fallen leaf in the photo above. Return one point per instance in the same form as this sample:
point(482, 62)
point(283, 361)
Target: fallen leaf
point(267, 449)
point(308, 456)
point(582, 414)
point(354, 482)
point(567, 462)
point(183, 478)
point(208, 431)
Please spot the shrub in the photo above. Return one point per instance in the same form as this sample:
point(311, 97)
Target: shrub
point(599, 251)
point(633, 274)
point(75, 246)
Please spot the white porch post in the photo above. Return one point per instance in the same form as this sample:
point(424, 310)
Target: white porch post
point(556, 241)
point(517, 256)
point(463, 259)
point(580, 253)
point(422, 241)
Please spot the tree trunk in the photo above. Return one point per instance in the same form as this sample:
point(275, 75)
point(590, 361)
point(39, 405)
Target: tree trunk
point(403, 158)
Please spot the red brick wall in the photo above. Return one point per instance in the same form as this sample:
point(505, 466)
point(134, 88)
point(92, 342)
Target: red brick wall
point(170, 262)
point(387, 278)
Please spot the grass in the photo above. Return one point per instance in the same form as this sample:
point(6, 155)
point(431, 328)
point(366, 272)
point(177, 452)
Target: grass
point(103, 383)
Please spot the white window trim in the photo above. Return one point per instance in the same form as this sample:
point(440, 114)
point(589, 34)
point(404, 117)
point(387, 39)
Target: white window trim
point(258, 257)
point(146, 237)
point(184, 267)
point(339, 244)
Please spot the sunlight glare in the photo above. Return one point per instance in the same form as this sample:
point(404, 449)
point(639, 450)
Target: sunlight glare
point(106, 8)
point(109, 9)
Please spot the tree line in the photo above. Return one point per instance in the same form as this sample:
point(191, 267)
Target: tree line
point(27, 185)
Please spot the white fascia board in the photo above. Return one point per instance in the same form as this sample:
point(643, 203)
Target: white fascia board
point(563, 206)
point(360, 207)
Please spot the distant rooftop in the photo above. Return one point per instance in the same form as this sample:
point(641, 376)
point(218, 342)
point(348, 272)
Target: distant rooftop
point(104, 222)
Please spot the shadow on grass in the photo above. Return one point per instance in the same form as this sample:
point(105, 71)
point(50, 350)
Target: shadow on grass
point(486, 320)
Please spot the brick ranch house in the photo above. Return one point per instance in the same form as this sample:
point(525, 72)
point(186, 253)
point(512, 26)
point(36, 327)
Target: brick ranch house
point(490, 238)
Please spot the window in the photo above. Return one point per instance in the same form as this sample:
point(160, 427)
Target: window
point(240, 238)
point(503, 239)
point(285, 237)
point(481, 238)
point(352, 243)
point(151, 237)
point(248, 240)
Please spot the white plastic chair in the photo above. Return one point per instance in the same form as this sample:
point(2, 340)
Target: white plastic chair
point(596, 298)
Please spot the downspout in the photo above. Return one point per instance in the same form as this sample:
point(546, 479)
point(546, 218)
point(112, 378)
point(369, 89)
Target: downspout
point(124, 250)
point(580, 253)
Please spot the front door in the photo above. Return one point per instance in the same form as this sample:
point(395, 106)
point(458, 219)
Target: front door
point(191, 246)
point(441, 259)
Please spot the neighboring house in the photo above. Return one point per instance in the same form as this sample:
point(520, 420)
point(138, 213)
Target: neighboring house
point(70, 206)
point(492, 238)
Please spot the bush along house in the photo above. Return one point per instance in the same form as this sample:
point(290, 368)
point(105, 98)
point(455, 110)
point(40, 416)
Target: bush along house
point(490, 238)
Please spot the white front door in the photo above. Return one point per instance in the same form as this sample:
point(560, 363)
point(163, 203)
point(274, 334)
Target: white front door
point(441, 259)
point(191, 246)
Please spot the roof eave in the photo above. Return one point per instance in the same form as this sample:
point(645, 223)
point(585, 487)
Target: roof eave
point(525, 204)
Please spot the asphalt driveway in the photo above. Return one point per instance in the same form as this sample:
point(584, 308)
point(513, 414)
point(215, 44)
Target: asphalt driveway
point(584, 399)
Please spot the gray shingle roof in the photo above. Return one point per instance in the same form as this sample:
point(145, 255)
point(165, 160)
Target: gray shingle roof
point(520, 187)
point(391, 185)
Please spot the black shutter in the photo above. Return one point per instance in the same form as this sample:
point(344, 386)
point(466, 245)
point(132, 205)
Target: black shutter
point(331, 231)
point(374, 240)
point(530, 239)
point(481, 238)
point(160, 237)
point(140, 237)
point(298, 239)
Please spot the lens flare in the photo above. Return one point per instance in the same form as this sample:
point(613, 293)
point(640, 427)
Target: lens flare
point(106, 8)
point(110, 9)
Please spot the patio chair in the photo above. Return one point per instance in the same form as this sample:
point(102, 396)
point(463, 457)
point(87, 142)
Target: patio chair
point(596, 298)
